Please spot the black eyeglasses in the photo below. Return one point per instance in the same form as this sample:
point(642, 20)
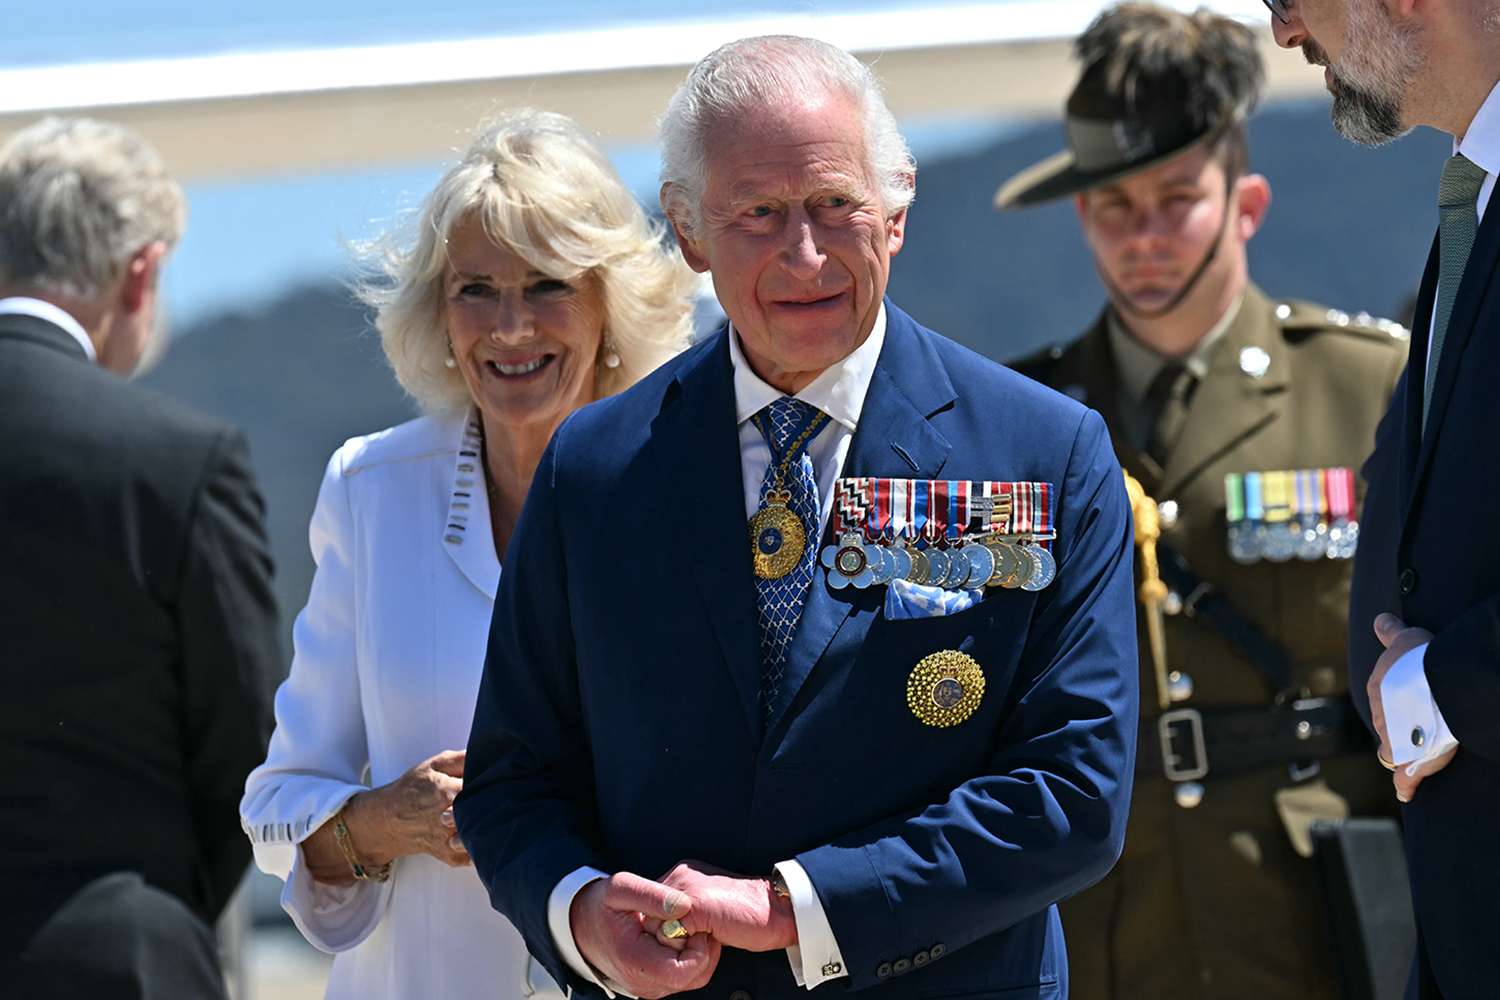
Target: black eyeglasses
point(1278, 7)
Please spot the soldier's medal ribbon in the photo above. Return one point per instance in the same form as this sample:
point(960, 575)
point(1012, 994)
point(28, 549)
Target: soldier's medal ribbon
point(1343, 529)
point(1281, 532)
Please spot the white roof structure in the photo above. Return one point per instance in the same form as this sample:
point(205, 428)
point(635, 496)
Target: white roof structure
point(243, 114)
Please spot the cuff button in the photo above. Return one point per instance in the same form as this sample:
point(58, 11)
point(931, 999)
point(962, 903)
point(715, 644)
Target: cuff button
point(902, 966)
point(883, 971)
point(938, 950)
point(920, 959)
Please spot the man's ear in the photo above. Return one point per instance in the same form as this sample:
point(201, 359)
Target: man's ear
point(1081, 206)
point(895, 226)
point(672, 204)
point(138, 284)
point(895, 232)
point(1252, 199)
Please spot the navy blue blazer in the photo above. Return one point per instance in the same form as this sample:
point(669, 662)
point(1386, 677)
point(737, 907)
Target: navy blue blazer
point(617, 724)
point(1430, 552)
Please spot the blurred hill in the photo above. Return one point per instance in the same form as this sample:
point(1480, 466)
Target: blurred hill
point(1348, 227)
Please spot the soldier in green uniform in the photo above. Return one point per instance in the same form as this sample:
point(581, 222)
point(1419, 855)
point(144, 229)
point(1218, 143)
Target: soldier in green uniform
point(1246, 418)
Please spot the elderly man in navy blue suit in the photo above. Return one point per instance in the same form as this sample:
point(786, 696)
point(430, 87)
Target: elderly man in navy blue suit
point(829, 603)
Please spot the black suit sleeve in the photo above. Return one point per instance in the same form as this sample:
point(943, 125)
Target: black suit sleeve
point(1463, 669)
point(231, 657)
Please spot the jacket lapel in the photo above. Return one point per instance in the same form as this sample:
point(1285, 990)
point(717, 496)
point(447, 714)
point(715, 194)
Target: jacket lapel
point(1228, 404)
point(1411, 425)
point(894, 439)
point(468, 536)
point(1472, 293)
point(698, 428)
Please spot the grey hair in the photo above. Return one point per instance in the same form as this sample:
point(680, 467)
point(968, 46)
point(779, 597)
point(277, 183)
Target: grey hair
point(772, 69)
point(78, 199)
point(544, 192)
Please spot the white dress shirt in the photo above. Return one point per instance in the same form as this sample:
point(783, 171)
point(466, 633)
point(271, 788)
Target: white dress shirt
point(21, 305)
point(1416, 727)
point(388, 656)
point(838, 391)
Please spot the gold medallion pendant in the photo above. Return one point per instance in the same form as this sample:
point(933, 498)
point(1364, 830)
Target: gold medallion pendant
point(777, 538)
point(945, 688)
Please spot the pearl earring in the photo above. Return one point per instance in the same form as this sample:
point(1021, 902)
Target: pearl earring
point(450, 361)
point(611, 356)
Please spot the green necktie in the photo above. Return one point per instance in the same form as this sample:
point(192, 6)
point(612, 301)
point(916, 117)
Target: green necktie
point(1458, 219)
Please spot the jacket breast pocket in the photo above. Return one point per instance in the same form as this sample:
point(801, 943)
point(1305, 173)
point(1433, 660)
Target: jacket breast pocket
point(928, 693)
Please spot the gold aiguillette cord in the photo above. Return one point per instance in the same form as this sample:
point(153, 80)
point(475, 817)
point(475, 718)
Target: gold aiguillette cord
point(1153, 592)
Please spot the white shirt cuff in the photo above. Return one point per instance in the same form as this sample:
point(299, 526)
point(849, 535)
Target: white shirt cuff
point(815, 958)
point(1413, 723)
point(559, 906)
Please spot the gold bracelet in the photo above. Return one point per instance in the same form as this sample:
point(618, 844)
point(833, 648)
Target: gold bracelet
point(380, 873)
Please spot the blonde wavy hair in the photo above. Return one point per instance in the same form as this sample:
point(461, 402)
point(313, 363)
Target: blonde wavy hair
point(544, 192)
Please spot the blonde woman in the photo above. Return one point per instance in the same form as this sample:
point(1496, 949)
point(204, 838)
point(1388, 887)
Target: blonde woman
point(532, 285)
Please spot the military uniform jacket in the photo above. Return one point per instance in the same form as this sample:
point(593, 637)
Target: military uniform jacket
point(1316, 405)
point(1213, 901)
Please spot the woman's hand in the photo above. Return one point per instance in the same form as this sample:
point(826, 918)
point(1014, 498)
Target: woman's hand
point(411, 815)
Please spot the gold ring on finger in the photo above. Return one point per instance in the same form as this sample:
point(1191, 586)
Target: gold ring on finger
point(1388, 765)
point(673, 930)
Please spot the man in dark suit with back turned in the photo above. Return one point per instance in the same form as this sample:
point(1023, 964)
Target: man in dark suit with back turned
point(1425, 608)
point(138, 634)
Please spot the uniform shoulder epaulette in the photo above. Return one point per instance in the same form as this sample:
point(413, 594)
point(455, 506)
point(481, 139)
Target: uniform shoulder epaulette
point(1308, 317)
point(1040, 362)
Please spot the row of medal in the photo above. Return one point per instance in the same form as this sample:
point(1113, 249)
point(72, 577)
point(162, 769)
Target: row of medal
point(953, 533)
point(1304, 514)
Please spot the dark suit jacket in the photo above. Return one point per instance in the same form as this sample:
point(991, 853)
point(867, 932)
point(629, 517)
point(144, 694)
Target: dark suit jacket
point(1430, 551)
point(139, 645)
point(617, 723)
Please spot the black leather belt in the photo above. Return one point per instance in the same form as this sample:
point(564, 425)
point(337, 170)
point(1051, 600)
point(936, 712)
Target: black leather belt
point(1187, 744)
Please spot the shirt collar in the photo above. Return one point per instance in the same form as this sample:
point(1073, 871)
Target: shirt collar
point(21, 305)
point(839, 390)
point(1481, 143)
point(1139, 364)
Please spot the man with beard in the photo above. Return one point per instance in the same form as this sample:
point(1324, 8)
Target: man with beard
point(1212, 391)
point(1425, 613)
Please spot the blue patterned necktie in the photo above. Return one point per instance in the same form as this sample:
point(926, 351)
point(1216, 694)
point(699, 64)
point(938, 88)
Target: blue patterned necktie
point(780, 601)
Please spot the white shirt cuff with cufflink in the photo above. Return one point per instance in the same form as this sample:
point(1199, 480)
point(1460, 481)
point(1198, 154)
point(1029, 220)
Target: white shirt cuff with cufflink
point(815, 958)
point(559, 906)
point(1413, 722)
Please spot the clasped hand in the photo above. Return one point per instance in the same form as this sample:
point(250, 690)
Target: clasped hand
point(1398, 639)
point(616, 923)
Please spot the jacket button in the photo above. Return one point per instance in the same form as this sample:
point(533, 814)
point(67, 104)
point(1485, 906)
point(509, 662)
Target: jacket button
point(1408, 581)
point(883, 971)
point(920, 959)
point(740, 995)
point(938, 950)
point(902, 966)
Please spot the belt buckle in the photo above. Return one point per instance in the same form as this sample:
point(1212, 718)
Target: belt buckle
point(1186, 725)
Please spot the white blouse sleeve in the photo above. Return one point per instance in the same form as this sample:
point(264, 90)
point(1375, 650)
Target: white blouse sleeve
point(319, 751)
